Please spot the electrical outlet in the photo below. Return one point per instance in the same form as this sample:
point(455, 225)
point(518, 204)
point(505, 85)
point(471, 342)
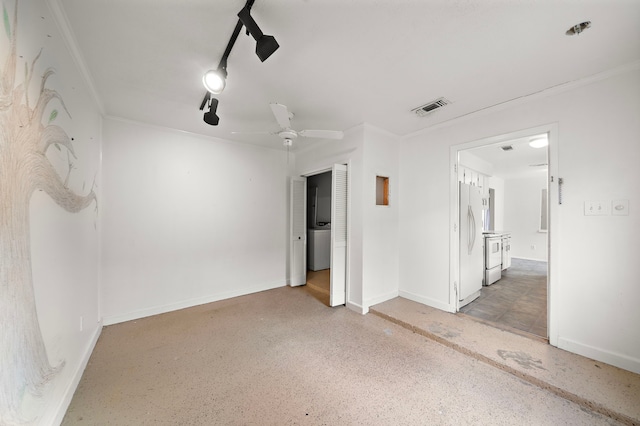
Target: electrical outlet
point(620, 207)
point(596, 208)
point(533, 246)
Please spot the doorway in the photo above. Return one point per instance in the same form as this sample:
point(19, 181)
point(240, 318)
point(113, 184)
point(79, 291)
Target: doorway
point(514, 180)
point(319, 236)
point(318, 232)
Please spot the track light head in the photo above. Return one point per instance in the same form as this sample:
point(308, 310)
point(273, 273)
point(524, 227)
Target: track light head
point(215, 80)
point(210, 117)
point(265, 47)
point(265, 44)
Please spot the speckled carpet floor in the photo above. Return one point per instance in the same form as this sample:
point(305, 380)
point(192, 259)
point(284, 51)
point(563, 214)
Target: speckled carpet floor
point(281, 357)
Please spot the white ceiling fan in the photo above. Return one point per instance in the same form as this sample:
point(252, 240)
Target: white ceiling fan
point(287, 134)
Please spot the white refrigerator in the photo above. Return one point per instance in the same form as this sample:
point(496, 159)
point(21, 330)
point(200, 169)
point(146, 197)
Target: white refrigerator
point(471, 244)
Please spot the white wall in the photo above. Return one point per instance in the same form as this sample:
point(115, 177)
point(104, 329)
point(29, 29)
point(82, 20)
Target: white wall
point(380, 223)
point(64, 246)
point(321, 157)
point(522, 199)
point(188, 220)
point(498, 185)
point(596, 293)
point(372, 230)
point(424, 220)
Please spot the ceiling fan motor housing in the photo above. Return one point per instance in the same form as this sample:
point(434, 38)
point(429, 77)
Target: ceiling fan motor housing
point(288, 134)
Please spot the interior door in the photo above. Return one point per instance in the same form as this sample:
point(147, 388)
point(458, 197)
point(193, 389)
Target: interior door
point(338, 235)
point(298, 232)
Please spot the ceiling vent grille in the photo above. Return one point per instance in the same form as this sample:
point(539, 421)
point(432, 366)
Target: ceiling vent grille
point(507, 148)
point(423, 110)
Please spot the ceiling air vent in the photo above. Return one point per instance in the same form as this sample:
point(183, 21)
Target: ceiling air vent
point(507, 147)
point(430, 107)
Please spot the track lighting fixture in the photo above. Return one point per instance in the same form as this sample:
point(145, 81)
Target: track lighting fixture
point(265, 44)
point(210, 117)
point(215, 80)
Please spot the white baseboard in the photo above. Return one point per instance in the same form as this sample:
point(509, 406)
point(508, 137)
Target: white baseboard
point(55, 414)
point(528, 258)
point(357, 308)
point(156, 310)
point(618, 360)
point(379, 299)
point(427, 301)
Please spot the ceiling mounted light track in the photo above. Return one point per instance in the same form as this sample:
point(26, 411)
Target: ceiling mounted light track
point(211, 117)
point(265, 44)
point(216, 80)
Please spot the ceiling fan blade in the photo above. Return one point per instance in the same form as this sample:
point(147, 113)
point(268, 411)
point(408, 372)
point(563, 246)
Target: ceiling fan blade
point(282, 115)
point(325, 134)
point(254, 133)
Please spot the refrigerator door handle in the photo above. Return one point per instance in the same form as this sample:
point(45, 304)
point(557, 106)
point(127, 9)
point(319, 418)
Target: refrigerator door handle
point(471, 229)
point(473, 222)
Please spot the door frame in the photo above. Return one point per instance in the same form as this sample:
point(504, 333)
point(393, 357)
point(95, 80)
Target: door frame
point(553, 206)
point(329, 168)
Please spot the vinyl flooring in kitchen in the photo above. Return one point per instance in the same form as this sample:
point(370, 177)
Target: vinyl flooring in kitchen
point(518, 301)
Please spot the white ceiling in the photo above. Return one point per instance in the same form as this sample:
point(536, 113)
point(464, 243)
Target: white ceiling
point(342, 62)
point(521, 161)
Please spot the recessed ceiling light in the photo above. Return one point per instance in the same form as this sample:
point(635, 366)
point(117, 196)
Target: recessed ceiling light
point(577, 29)
point(538, 141)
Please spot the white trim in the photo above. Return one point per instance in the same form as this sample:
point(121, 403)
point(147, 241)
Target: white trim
point(529, 258)
point(316, 172)
point(553, 237)
point(380, 299)
point(541, 94)
point(192, 134)
point(553, 217)
point(349, 215)
point(55, 414)
point(427, 301)
point(613, 358)
point(357, 308)
point(189, 303)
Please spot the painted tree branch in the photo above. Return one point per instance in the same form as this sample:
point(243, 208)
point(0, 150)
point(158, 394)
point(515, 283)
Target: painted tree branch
point(24, 168)
point(47, 179)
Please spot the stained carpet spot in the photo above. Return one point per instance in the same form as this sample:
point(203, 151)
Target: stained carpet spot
point(523, 359)
point(438, 328)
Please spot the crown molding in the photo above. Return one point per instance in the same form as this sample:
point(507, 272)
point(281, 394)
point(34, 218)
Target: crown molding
point(61, 20)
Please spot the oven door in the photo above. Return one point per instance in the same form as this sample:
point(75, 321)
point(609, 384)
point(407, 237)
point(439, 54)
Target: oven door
point(493, 252)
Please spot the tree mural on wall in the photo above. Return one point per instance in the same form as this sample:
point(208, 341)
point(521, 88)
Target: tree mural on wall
point(25, 137)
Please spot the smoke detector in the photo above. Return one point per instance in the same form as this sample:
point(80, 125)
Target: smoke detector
point(425, 109)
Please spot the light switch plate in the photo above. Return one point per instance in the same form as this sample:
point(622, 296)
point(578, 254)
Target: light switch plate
point(596, 208)
point(620, 207)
